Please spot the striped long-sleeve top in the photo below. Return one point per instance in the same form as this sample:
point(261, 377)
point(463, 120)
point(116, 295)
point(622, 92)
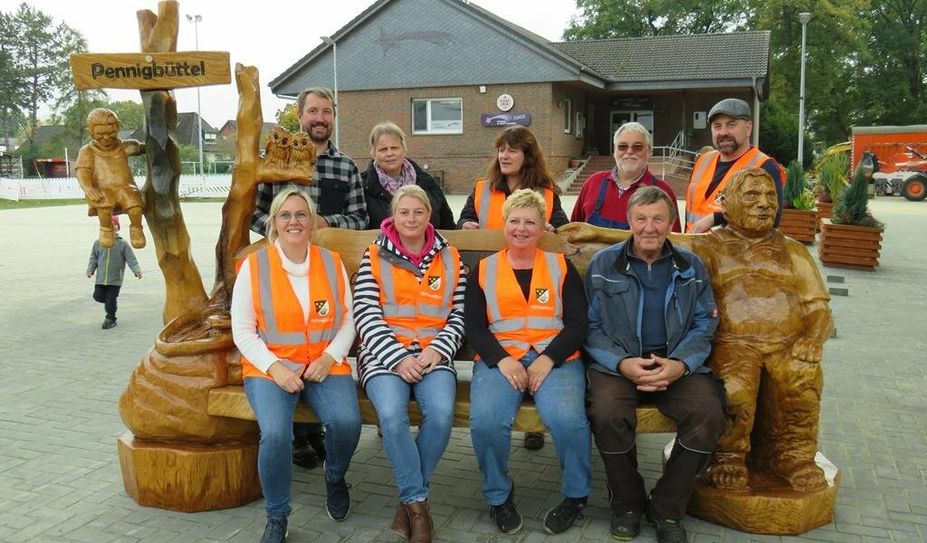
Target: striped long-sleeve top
point(380, 351)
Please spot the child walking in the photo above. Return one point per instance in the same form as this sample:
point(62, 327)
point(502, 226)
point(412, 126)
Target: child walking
point(109, 265)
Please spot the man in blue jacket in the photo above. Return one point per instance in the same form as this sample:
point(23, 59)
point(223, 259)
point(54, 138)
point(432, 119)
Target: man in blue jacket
point(651, 319)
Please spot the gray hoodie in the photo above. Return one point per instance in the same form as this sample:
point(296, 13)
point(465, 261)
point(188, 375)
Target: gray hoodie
point(111, 263)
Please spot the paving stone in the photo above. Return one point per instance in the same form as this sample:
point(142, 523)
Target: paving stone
point(60, 479)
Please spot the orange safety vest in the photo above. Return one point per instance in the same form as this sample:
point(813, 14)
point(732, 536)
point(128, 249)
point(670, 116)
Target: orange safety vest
point(280, 320)
point(488, 204)
point(416, 309)
point(520, 324)
point(697, 205)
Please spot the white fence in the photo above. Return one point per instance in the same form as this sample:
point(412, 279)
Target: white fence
point(206, 186)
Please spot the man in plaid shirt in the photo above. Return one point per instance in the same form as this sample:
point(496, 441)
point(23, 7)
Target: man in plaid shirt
point(336, 185)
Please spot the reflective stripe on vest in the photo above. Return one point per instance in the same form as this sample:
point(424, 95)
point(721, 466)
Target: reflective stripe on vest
point(518, 324)
point(488, 204)
point(699, 206)
point(416, 309)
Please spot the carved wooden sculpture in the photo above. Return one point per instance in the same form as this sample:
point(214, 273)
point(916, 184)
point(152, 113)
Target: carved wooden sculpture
point(103, 173)
point(767, 350)
point(176, 455)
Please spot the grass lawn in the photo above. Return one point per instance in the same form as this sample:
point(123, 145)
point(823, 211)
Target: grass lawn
point(23, 204)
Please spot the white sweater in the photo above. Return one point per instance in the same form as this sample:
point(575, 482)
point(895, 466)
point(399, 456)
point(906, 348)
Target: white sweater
point(244, 319)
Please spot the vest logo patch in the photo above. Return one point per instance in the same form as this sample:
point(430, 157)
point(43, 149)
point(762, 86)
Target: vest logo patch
point(322, 308)
point(434, 282)
point(542, 295)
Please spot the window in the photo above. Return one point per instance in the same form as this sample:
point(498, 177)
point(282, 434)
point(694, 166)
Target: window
point(437, 116)
point(567, 116)
point(580, 124)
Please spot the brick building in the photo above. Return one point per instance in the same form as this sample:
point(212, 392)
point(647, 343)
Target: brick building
point(450, 73)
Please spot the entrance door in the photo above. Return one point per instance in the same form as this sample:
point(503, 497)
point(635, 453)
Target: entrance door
point(619, 117)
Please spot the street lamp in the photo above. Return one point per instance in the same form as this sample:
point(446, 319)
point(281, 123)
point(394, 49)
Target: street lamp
point(331, 42)
point(804, 17)
point(195, 19)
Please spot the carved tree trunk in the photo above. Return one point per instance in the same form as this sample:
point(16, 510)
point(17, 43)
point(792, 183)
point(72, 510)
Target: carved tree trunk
point(183, 285)
point(238, 207)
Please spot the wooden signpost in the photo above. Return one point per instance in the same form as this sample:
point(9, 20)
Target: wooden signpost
point(148, 71)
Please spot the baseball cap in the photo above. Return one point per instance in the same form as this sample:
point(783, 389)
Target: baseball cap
point(734, 108)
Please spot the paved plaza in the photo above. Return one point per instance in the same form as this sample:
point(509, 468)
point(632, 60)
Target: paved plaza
point(59, 472)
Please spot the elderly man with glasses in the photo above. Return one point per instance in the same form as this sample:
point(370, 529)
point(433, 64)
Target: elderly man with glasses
point(604, 198)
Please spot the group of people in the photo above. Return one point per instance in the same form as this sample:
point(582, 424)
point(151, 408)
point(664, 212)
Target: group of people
point(637, 328)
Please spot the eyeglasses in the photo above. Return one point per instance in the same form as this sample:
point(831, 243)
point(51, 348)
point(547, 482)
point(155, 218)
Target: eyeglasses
point(301, 216)
point(637, 148)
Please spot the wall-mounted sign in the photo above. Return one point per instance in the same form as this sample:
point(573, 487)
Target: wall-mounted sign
point(505, 102)
point(506, 119)
point(148, 71)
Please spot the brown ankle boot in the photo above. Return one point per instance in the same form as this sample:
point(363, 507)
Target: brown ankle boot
point(401, 522)
point(420, 522)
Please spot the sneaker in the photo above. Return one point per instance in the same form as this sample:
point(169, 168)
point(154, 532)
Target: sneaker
point(669, 530)
point(534, 441)
point(506, 516)
point(109, 322)
point(275, 531)
point(338, 503)
point(626, 526)
point(560, 518)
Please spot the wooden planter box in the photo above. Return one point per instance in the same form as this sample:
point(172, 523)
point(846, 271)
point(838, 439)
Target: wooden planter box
point(848, 246)
point(825, 211)
point(799, 224)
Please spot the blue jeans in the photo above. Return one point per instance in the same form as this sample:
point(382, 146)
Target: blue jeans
point(414, 460)
point(334, 400)
point(561, 403)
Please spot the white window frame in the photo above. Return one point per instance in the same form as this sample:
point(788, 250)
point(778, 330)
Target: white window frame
point(431, 130)
point(567, 116)
point(580, 124)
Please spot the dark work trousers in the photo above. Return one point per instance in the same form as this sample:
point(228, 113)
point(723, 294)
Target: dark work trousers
point(106, 295)
point(692, 402)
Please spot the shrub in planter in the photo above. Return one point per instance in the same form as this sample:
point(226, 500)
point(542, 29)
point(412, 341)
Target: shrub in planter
point(854, 237)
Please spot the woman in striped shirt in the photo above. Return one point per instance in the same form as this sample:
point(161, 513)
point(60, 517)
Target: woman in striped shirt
point(408, 309)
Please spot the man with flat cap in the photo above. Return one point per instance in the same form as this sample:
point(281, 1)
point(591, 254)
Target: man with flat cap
point(731, 124)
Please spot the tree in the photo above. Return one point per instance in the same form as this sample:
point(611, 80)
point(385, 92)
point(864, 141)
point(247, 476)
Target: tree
point(637, 18)
point(41, 51)
point(12, 87)
point(287, 117)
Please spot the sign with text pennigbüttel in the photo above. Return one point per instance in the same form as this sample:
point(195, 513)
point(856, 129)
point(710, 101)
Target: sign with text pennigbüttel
point(149, 71)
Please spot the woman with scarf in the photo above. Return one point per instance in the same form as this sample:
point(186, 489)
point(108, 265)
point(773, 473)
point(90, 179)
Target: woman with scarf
point(408, 309)
point(389, 170)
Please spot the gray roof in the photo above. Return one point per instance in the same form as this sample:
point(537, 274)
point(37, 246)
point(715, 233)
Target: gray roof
point(734, 55)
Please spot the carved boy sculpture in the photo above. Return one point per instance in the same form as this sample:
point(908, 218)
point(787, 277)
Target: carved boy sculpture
point(104, 175)
point(769, 342)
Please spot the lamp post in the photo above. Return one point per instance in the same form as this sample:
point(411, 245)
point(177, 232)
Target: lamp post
point(195, 19)
point(804, 17)
point(331, 42)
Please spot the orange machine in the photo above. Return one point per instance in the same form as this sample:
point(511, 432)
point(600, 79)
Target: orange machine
point(901, 154)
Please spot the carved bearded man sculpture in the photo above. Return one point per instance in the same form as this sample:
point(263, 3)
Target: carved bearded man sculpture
point(769, 343)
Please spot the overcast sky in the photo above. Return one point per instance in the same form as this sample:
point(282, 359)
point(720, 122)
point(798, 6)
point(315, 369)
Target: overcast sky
point(269, 34)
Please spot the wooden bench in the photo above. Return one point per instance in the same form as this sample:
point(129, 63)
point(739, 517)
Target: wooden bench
point(230, 401)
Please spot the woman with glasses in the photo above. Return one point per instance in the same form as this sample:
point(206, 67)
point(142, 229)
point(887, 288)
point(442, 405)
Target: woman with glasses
point(292, 323)
point(408, 306)
point(603, 200)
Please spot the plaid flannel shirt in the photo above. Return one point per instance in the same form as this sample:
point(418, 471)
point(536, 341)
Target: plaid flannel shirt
point(336, 190)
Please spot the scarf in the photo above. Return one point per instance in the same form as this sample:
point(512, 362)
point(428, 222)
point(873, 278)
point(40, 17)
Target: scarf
point(406, 177)
point(389, 230)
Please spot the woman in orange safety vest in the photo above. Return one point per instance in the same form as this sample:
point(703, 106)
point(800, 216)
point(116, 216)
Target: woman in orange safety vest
point(525, 314)
point(292, 324)
point(519, 164)
point(408, 306)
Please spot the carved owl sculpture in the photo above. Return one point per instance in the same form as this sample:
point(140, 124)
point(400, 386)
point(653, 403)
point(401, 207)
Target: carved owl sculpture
point(302, 152)
point(277, 149)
